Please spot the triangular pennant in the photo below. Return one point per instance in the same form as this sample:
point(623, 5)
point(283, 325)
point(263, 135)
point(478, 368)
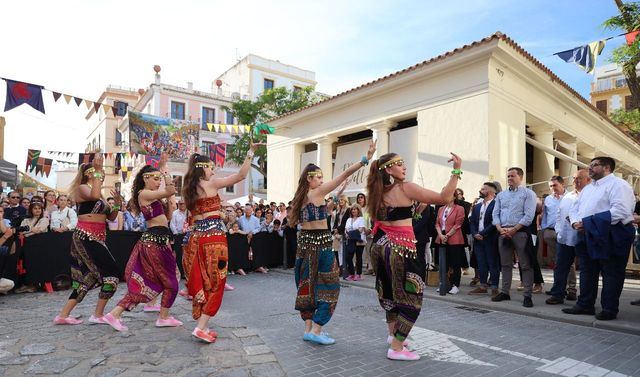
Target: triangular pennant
point(235, 129)
point(223, 127)
point(78, 101)
point(88, 104)
point(631, 37)
point(56, 96)
point(47, 166)
point(247, 129)
point(32, 158)
point(106, 109)
point(96, 106)
point(210, 126)
point(67, 98)
point(114, 110)
point(216, 126)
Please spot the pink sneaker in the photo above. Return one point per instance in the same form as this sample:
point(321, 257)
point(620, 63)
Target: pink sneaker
point(97, 320)
point(404, 342)
point(228, 287)
point(184, 293)
point(357, 278)
point(151, 308)
point(168, 322)
point(203, 335)
point(114, 322)
point(404, 355)
point(213, 333)
point(350, 278)
point(66, 321)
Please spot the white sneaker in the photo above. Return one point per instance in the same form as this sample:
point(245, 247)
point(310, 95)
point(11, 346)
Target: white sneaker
point(6, 285)
point(454, 290)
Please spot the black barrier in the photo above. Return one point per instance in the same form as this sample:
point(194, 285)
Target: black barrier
point(46, 255)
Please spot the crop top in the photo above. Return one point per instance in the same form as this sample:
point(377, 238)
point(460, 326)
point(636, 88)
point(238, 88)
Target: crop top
point(152, 210)
point(398, 213)
point(208, 204)
point(94, 207)
point(312, 212)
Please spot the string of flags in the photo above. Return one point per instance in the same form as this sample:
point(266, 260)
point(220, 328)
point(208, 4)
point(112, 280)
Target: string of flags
point(585, 56)
point(35, 162)
point(259, 128)
point(19, 93)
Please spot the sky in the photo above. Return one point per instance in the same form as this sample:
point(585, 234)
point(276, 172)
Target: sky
point(80, 47)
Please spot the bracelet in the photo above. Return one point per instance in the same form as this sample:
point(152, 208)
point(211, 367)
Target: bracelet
point(115, 207)
point(364, 160)
point(456, 173)
point(250, 154)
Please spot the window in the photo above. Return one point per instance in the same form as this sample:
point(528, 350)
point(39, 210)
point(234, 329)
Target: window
point(177, 110)
point(602, 105)
point(268, 84)
point(208, 116)
point(229, 116)
point(118, 137)
point(620, 82)
point(178, 180)
point(205, 147)
point(628, 103)
point(229, 189)
point(121, 108)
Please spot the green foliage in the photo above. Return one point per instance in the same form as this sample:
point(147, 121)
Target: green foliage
point(272, 103)
point(629, 118)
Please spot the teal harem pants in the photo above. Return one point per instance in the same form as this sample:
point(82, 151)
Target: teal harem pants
point(399, 283)
point(317, 276)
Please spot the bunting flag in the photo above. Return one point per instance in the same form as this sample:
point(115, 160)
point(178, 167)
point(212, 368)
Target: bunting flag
point(67, 98)
point(263, 129)
point(152, 160)
point(78, 101)
point(247, 129)
point(584, 56)
point(40, 165)
point(106, 108)
point(114, 110)
point(96, 106)
point(56, 96)
point(631, 37)
point(47, 166)
point(22, 92)
point(32, 155)
point(118, 162)
point(220, 154)
point(88, 104)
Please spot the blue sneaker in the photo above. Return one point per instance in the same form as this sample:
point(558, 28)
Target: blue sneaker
point(305, 337)
point(321, 339)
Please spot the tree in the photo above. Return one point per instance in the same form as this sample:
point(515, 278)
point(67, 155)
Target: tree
point(626, 56)
point(271, 103)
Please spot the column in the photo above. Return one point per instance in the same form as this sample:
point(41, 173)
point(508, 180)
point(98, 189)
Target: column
point(542, 161)
point(325, 155)
point(381, 135)
point(2, 123)
point(567, 169)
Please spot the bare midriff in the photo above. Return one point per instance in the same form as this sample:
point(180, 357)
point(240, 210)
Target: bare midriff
point(315, 225)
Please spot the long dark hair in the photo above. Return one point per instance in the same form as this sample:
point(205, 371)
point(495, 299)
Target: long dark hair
point(191, 180)
point(378, 182)
point(80, 179)
point(32, 206)
point(301, 194)
point(138, 185)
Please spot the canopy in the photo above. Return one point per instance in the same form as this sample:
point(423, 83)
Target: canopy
point(8, 173)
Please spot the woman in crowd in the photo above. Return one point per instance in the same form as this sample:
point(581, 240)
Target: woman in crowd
point(152, 267)
point(399, 277)
point(49, 203)
point(267, 222)
point(361, 199)
point(118, 222)
point(133, 219)
point(316, 269)
point(92, 264)
point(25, 202)
point(450, 219)
point(63, 218)
point(35, 223)
point(206, 256)
point(356, 239)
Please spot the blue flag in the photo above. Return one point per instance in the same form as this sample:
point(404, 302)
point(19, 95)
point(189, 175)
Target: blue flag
point(584, 56)
point(21, 92)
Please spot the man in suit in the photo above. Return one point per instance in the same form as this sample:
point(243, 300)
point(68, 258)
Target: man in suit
point(485, 244)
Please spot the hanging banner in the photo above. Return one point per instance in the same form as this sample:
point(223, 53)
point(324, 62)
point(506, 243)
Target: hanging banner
point(21, 92)
point(152, 135)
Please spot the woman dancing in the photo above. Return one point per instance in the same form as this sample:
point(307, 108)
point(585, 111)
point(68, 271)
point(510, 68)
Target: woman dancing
point(399, 276)
point(316, 269)
point(205, 256)
point(152, 267)
point(92, 264)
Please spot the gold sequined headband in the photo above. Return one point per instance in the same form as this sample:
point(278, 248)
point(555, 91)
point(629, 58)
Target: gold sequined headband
point(314, 173)
point(153, 174)
point(394, 161)
point(204, 164)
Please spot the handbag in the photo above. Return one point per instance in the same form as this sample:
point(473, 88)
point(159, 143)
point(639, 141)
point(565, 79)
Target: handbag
point(353, 235)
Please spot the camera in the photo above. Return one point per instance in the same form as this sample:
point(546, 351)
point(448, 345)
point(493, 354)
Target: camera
point(24, 228)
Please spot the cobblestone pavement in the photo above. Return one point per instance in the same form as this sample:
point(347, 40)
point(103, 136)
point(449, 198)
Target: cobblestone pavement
point(31, 345)
point(260, 335)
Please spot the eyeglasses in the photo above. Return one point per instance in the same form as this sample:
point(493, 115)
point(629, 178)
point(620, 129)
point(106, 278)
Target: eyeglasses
point(14, 197)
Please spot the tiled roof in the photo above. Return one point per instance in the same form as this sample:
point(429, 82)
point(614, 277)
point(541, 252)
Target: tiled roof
point(496, 36)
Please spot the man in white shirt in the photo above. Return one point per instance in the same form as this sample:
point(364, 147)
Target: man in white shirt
point(63, 218)
point(179, 218)
point(549, 213)
point(606, 195)
point(564, 275)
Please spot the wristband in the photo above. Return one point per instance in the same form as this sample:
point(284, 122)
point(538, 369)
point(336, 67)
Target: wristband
point(457, 173)
point(364, 160)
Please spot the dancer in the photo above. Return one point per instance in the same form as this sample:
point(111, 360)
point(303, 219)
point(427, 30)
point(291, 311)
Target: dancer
point(206, 256)
point(316, 269)
point(399, 276)
point(152, 267)
point(92, 264)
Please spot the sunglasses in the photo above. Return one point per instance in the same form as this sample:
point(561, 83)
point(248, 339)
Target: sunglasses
point(14, 197)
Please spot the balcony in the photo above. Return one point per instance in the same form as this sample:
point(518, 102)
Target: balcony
point(609, 83)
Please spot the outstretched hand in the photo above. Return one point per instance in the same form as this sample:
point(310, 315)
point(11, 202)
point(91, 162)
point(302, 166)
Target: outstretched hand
point(372, 149)
point(117, 198)
point(457, 161)
point(255, 146)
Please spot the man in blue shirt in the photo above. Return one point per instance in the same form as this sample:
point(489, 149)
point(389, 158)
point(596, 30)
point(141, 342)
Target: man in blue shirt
point(513, 212)
point(549, 214)
point(250, 224)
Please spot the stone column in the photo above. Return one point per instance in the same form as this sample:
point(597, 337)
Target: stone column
point(567, 169)
point(542, 161)
point(325, 155)
point(381, 135)
point(2, 123)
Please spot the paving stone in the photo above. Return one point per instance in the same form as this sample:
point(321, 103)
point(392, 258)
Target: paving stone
point(151, 349)
point(111, 372)
point(8, 342)
point(97, 361)
point(267, 370)
point(201, 372)
point(259, 359)
point(257, 350)
point(53, 365)
point(244, 333)
point(234, 372)
point(37, 349)
point(252, 341)
point(14, 360)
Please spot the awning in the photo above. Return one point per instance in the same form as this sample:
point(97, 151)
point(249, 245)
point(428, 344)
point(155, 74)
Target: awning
point(8, 173)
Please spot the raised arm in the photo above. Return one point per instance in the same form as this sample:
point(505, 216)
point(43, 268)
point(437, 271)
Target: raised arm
point(417, 193)
point(218, 183)
point(96, 176)
point(327, 187)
